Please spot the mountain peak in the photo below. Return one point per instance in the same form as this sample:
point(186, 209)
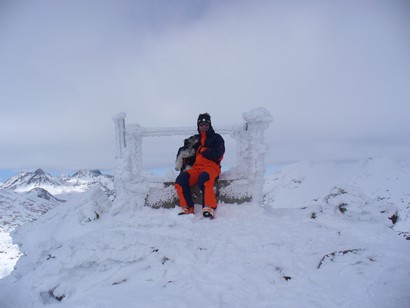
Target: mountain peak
point(87, 173)
point(39, 171)
point(26, 181)
point(44, 194)
point(39, 177)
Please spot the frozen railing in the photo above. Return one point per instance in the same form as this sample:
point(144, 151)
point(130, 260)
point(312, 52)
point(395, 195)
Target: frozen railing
point(243, 182)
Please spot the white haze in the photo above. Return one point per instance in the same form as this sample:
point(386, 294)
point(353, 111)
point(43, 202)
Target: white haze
point(334, 75)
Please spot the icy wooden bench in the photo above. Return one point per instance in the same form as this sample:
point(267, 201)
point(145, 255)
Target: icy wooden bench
point(156, 198)
point(242, 183)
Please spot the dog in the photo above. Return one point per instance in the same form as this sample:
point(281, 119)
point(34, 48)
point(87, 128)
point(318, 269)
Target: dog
point(186, 154)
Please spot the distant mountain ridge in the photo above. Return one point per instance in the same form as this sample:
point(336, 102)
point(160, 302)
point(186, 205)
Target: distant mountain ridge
point(78, 182)
point(27, 195)
point(25, 181)
point(93, 177)
point(83, 173)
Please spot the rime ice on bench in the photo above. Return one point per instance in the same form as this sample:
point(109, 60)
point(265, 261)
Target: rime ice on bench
point(241, 183)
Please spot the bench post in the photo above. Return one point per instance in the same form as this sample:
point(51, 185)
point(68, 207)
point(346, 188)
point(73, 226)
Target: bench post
point(120, 143)
point(258, 121)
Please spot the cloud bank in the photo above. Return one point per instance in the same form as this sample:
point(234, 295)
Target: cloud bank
point(333, 75)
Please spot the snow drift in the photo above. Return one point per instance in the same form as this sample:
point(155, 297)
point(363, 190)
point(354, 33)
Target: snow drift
point(327, 235)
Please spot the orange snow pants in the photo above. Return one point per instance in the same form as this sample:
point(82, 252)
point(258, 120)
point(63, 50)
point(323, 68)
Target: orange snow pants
point(205, 178)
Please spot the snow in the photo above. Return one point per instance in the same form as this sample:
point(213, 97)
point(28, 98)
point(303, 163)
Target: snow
point(323, 237)
point(329, 234)
point(9, 254)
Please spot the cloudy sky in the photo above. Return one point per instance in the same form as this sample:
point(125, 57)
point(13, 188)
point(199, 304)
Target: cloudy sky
point(335, 75)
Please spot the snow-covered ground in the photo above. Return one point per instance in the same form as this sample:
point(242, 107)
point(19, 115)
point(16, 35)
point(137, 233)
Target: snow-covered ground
point(9, 254)
point(327, 235)
point(16, 209)
point(28, 195)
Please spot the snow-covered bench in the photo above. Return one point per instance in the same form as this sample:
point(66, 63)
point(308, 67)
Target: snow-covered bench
point(240, 184)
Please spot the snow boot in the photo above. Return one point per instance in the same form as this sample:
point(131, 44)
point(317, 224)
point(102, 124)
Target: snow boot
point(208, 212)
point(187, 210)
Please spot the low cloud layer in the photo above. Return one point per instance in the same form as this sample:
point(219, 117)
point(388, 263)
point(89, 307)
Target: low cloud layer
point(333, 75)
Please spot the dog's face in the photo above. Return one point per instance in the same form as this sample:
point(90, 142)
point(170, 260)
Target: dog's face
point(190, 142)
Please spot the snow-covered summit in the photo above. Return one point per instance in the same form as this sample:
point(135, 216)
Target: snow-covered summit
point(38, 192)
point(374, 188)
point(44, 194)
point(87, 176)
point(378, 178)
point(90, 172)
point(60, 185)
point(324, 237)
point(91, 177)
point(26, 181)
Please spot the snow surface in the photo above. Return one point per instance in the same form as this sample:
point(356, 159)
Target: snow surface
point(23, 198)
point(324, 237)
